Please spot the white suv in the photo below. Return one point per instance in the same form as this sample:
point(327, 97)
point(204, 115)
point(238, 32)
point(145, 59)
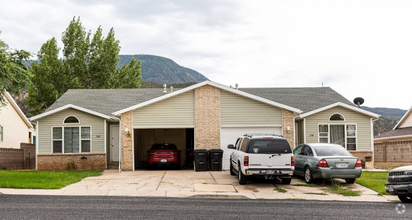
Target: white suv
point(262, 155)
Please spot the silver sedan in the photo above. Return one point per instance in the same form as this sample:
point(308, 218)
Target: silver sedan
point(325, 161)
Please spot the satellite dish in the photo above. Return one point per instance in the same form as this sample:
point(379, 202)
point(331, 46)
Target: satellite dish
point(358, 101)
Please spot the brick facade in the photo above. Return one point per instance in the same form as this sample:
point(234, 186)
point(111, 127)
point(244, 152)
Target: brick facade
point(207, 116)
point(126, 145)
point(288, 121)
point(72, 161)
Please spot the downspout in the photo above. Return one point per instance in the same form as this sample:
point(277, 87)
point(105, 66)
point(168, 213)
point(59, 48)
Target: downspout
point(37, 141)
point(120, 145)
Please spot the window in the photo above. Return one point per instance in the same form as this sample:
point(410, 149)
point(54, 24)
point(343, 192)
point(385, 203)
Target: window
point(342, 134)
point(336, 117)
point(244, 144)
point(71, 120)
point(71, 139)
point(323, 133)
point(1, 133)
point(57, 140)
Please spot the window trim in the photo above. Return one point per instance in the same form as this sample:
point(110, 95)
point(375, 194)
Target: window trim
point(345, 131)
point(80, 138)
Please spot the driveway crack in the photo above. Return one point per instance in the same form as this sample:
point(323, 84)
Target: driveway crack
point(158, 185)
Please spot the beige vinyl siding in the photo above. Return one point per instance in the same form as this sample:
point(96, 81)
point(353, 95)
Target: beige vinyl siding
point(174, 112)
point(363, 126)
point(56, 120)
point(241, 111)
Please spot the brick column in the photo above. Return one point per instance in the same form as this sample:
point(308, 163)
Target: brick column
point(127, 147)
point(288, 117)
point(207, 113)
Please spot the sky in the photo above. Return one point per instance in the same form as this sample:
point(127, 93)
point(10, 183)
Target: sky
point(359, 48)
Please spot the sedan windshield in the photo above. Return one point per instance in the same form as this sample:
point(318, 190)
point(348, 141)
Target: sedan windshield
point(331, 150)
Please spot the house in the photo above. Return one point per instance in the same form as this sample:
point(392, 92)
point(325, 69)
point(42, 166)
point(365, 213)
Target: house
point(15, 128)
point(95, 128)
point(394, 148)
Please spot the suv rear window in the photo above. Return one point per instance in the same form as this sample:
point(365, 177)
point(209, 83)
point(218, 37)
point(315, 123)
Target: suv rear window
point(269, 146)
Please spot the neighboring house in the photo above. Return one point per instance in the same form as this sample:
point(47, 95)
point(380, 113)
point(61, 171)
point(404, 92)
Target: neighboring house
point(15, 128)
point(94, 128)
point(394, 147)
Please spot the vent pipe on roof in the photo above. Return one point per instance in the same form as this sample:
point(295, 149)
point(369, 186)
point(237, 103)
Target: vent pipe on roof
point(164, 88)
point(237, 86)
point(171, 88)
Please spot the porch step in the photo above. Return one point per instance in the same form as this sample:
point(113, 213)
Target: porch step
point(113, 165)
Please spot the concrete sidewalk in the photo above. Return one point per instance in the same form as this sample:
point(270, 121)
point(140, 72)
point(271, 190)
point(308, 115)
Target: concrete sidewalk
point(187, 183)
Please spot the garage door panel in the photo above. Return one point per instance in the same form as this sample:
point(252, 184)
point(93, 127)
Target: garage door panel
point(230, 135)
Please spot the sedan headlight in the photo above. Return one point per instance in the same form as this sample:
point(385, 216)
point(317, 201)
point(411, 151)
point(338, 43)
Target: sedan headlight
point(407, 172)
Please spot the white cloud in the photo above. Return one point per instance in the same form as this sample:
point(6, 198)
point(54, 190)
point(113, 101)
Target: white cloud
point(357, 47)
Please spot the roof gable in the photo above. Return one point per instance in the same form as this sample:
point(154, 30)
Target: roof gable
point(405, 118)
point(350, 107)
point(45, 114)
point(220, 86)
point(11, 101)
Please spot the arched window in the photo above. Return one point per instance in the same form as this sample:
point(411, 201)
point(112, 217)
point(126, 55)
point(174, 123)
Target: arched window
point(71, 120)
point(336, 117)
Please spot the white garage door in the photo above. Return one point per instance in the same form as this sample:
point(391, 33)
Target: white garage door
point(230, 135)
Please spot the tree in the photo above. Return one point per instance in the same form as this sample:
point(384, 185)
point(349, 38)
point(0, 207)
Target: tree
point(14, 75)
point(88, 62)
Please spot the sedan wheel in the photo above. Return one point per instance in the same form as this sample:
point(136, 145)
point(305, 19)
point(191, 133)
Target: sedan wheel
point(405, 199)
point(308, 175)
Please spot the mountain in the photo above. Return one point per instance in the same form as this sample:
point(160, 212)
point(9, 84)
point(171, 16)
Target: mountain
point(390, 113)
point(389, 118)
point(163, 70)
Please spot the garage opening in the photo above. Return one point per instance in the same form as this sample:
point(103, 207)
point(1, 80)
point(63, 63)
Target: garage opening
point(183, 138)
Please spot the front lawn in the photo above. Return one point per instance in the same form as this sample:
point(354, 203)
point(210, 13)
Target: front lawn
point(43, 179)
point(374, 181)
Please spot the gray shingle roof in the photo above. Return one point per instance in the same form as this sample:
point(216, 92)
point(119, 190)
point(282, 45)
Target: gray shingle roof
point(397, 132)
point(305, 99)
point(107, 101)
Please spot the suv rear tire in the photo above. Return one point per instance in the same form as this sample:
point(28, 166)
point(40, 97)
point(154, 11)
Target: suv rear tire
point(286, 180)
point(231, 169)
point(242, 178)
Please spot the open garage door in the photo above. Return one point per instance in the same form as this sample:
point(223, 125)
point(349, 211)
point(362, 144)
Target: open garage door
point(144, 138)
point(230, 135)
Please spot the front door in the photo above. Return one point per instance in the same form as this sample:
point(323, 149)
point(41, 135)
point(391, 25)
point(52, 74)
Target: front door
point(114, 143)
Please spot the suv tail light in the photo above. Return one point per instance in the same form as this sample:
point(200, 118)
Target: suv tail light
point(246, 161)
point(292, 161)
point(358, 163)
point(322, 163)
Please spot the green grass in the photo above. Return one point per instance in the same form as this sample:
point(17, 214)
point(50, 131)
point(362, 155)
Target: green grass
point(43, 179)
point(280, 189)
point(338, 189)
point(374, 181)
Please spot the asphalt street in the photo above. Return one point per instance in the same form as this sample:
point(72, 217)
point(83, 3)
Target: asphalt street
point(117, 207)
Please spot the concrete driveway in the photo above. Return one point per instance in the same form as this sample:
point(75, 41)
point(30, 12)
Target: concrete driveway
point(188, 183)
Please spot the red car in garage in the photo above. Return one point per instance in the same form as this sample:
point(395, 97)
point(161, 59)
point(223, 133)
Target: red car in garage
point(163, 155)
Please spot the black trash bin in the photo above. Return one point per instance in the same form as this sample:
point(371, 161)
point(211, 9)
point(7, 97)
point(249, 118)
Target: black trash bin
point(201, 156)
point(215, 159)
